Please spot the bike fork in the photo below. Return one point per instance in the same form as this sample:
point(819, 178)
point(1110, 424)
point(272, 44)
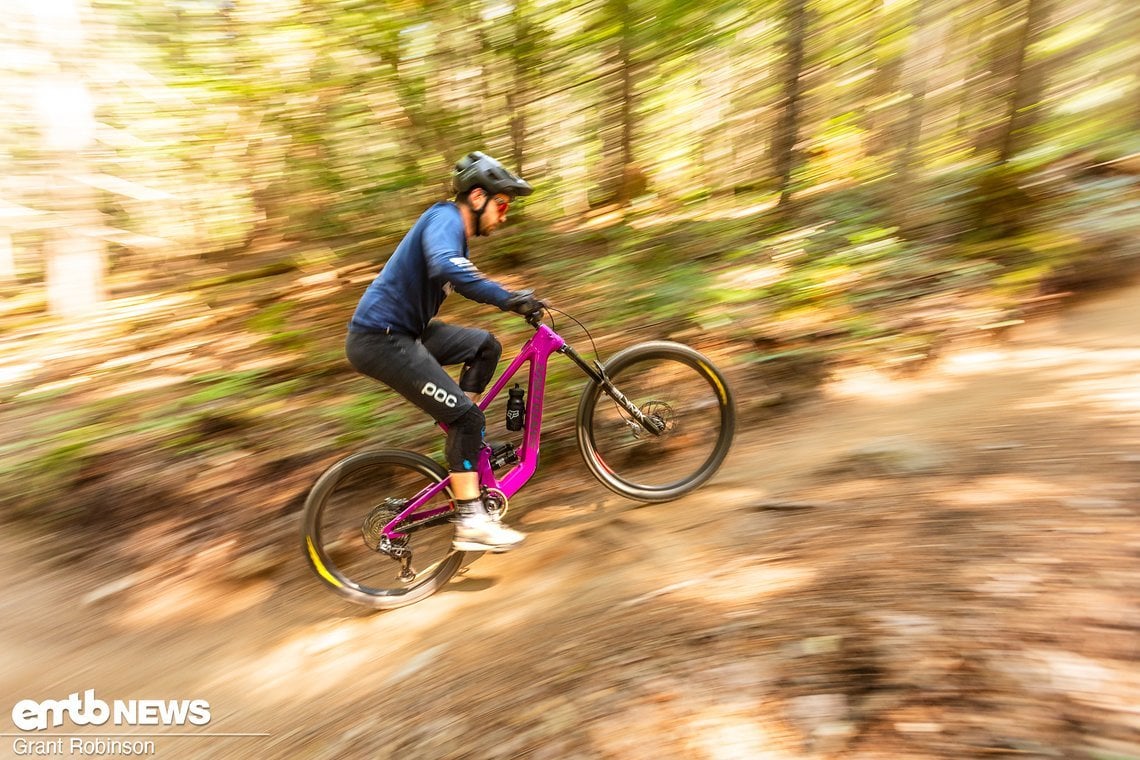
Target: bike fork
point(597, 373)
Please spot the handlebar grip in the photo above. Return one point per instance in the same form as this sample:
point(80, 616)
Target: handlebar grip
point(534, 319)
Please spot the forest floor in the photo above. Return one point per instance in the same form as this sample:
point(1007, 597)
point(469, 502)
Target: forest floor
point(945, 565)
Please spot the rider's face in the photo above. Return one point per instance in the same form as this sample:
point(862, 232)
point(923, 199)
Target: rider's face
point(494, 212)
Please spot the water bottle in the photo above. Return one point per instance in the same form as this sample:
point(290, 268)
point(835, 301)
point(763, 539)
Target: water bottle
point(516, 408)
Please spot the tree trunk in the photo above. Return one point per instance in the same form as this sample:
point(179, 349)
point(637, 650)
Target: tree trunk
point(1130, 30)
point(7, 258)
point(515, 101)
point(75, 257)
point(785, 137)
point(880, 119)
point(881, 122)
point(925, 45)
point(618, 119)
point(1013, 73)
point(972, 64)
point(573, 164)
point(1002, 65)
point(716, 144)
point(521, 58)
point(626, 55)
point(422, 130)
point(1029, 84)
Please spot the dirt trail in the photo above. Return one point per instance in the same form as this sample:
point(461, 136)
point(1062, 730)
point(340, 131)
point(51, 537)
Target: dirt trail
point(941, 566)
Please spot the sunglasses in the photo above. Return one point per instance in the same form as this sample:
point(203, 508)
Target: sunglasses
point(503, 202)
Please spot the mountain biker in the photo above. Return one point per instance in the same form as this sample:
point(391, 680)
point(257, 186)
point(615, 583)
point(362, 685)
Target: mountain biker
point(394, 337)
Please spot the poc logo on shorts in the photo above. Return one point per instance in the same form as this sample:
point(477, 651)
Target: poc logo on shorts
point(440, 395)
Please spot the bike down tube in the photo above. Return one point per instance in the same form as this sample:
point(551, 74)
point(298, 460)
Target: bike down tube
point(536, 352)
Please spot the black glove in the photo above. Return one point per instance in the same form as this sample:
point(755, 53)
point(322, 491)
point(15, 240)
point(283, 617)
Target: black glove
point(523, 302)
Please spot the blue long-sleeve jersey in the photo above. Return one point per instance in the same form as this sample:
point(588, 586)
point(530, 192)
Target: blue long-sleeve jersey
point(413, 283)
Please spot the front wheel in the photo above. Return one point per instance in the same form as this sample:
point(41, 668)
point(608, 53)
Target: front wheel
point(688, 400)
point(343, 520)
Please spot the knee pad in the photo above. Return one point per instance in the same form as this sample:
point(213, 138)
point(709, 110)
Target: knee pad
point(479, 371)
point(471, 421)
point(464, 437)
point(491, 348)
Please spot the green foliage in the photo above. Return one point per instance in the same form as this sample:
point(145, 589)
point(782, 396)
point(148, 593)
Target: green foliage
point(999, 203)
point(222, 386)
point(64, 459)
point(226, 136)
point(371, 415)
point(519, 247)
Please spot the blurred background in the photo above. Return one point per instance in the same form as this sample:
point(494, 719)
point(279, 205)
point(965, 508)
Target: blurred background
point(194, 194)
point(147, 136)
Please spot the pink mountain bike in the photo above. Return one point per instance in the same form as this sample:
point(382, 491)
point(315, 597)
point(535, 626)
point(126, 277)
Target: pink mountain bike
point(654, 422)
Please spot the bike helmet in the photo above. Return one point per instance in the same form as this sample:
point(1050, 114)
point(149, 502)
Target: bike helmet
point(480, 170)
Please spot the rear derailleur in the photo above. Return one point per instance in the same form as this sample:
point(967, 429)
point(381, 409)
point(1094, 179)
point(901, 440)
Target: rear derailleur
point(376, 540)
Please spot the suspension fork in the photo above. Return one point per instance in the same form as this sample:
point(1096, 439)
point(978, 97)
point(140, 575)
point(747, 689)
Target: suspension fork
point(597, 373)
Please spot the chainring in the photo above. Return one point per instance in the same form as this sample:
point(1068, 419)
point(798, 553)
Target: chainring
point(495, 502)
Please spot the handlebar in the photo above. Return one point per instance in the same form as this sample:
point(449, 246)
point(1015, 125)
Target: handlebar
point(534, 319)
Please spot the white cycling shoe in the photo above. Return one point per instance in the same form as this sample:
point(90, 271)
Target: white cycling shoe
point(482, 533)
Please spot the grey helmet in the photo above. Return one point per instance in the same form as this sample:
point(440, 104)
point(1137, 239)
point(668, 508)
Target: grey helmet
point(480, 170)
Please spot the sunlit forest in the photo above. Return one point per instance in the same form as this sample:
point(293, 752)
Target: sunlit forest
point(907, 231)
point(195, 192)
point(147, 136)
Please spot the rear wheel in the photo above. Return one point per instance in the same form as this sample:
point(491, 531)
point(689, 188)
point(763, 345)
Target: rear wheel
point(685, 395)
point(343, 520)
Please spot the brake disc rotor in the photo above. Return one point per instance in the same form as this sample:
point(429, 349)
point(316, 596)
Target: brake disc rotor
point(659, 411)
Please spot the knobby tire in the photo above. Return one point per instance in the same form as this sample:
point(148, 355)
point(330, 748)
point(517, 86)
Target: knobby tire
point(335, 548)
point(679, 385)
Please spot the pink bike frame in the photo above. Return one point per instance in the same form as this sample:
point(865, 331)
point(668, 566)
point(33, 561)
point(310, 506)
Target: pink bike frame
point(536, 352)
